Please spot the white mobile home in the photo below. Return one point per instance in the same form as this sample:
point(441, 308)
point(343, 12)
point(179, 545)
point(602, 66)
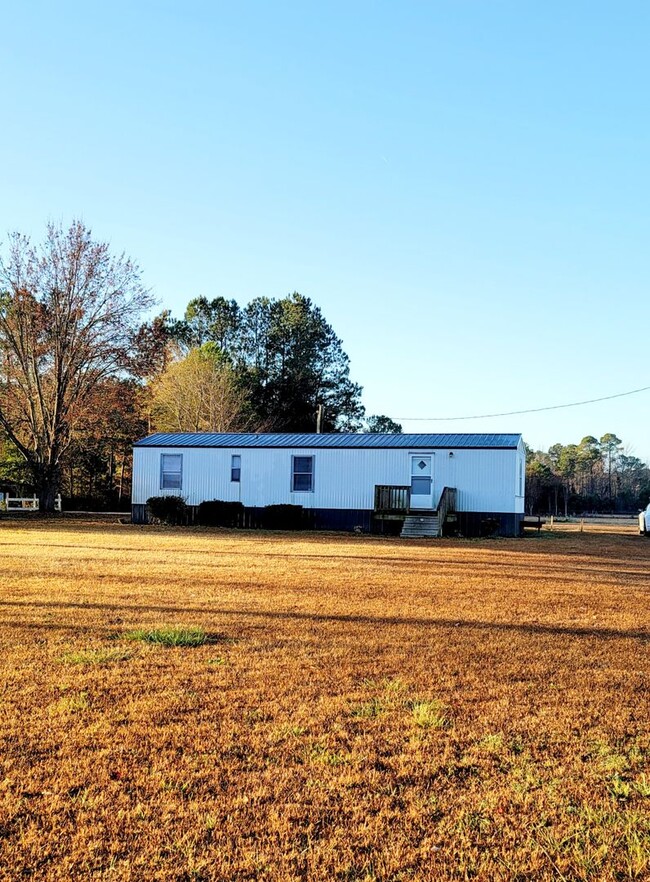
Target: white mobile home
point(345, 481)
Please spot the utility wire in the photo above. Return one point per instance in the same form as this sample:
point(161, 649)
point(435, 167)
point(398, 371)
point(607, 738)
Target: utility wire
point(484, 416)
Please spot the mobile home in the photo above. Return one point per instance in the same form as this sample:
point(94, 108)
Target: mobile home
point(469, 483)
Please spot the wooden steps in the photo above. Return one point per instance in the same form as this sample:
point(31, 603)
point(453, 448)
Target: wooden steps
point(421, 527)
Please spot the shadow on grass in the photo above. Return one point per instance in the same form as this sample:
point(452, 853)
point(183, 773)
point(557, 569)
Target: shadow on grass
point(610, 572)
point(590, 544)
point(532, 628)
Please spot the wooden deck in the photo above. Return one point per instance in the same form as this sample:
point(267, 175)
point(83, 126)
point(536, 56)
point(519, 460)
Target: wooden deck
point(392, 502)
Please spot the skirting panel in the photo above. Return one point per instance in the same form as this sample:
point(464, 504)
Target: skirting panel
point(475, 524)
point(468, 523)
point(139, 514)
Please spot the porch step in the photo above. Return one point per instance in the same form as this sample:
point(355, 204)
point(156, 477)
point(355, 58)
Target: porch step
point(421, 527)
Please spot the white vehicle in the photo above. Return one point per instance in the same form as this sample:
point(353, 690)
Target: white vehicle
point(644, 521)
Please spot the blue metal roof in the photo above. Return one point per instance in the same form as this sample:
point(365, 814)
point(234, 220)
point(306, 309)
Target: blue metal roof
point(347, 440)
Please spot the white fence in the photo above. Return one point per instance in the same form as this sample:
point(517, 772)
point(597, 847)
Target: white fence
point(28, 503)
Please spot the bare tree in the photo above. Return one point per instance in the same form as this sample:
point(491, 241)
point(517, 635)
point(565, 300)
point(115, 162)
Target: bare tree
point(68, 314)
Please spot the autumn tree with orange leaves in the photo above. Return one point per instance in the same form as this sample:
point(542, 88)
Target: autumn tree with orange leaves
point(69, 313)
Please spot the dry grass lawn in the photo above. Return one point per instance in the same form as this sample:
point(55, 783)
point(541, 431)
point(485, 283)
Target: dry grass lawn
point(363, 709)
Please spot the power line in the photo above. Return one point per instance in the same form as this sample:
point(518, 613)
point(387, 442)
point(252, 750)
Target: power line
point(484, 416)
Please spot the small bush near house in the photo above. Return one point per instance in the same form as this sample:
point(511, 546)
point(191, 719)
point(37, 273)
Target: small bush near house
point(217, 513)
point(167, 510)
point(285, 517)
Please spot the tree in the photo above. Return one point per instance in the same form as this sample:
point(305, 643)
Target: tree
point(97, 463)
point(198, 393)
point(69, 311)
point(588, 457)
point(595, 476)
point(567, 464)
point(13, 469)
point(611, 447)
point(539, 482)
point(285, 355)
point(209, 321)
point(154, 347)
point(294, 362)
point(379, 424)
point(633, 482)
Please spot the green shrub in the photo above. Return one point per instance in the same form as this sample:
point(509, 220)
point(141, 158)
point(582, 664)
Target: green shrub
point(174, 635)
point(428, 714)
point(285, 517)
point(217, 513)
point(167, 509)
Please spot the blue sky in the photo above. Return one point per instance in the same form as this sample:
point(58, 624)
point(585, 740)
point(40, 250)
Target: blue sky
point(462, 187)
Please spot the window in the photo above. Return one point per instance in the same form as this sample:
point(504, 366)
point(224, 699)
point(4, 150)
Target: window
point(235, 468)
point(171, 471)
point(420, 486)
point(302, 475)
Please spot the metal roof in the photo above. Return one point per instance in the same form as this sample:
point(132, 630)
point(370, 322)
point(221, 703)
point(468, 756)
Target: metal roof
point(342, 440)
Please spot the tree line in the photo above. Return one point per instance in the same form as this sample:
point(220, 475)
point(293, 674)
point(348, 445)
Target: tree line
point(594, 475)
point(82, 376)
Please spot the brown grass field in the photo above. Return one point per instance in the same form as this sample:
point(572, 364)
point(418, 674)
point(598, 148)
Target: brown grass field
point(364, 708)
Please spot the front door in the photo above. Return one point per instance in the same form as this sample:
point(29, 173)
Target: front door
point(422, 481)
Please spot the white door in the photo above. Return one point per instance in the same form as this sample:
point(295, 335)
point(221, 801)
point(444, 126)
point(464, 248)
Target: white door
point(422, 481)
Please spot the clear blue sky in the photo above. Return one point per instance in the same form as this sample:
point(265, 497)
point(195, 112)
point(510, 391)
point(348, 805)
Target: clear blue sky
point(461, 186)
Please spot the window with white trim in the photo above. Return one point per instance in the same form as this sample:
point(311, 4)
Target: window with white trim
point(171, 471)
point(235, 468)
point(302, 473)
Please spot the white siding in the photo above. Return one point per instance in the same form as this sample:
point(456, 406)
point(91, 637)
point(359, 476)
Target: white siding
point(486, 479)
point(520, 488)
